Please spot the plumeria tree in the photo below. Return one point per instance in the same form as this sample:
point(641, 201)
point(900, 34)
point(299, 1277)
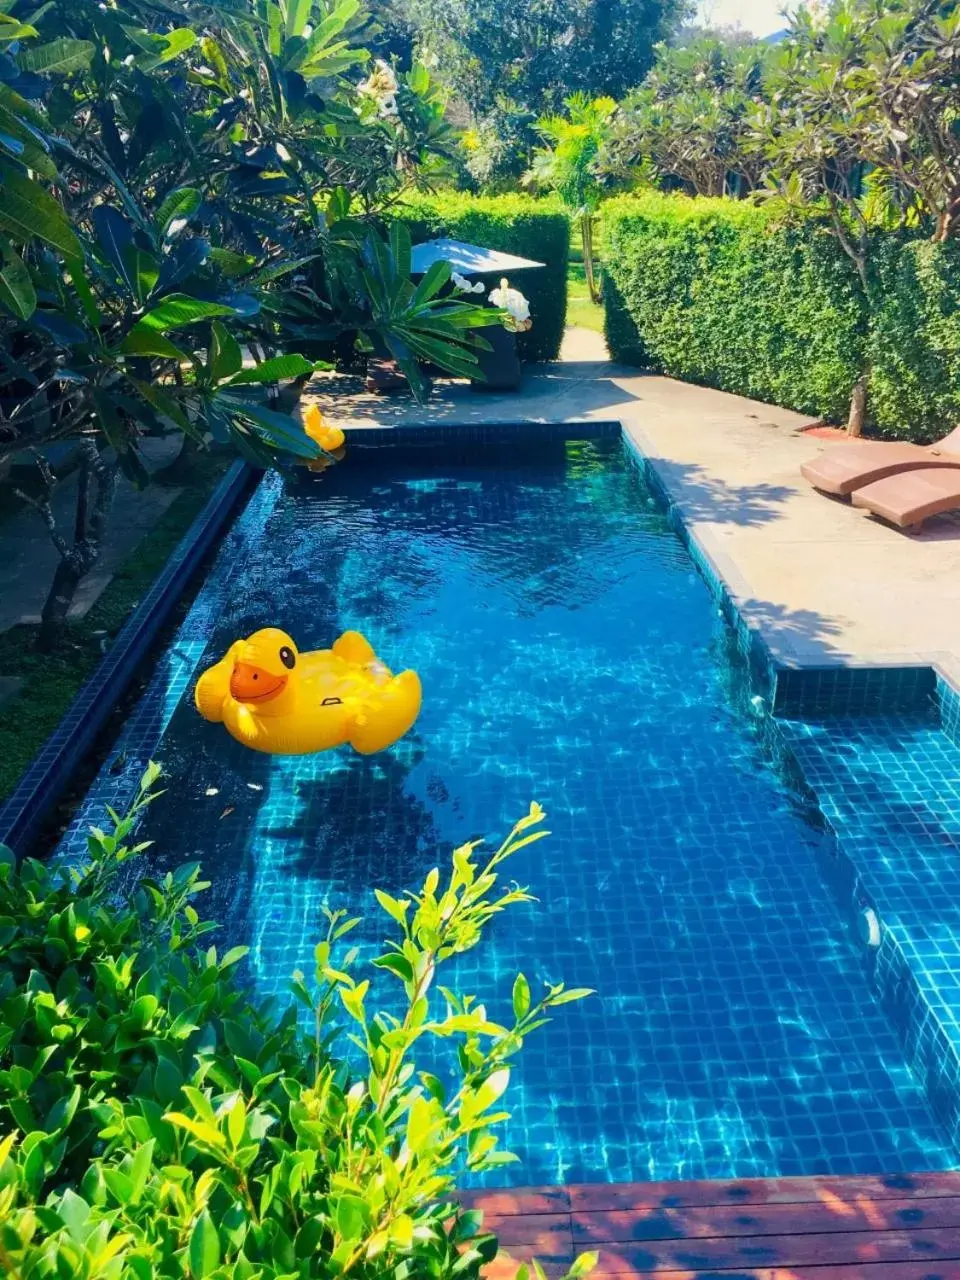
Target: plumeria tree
point(186, 201)
point(689, 120)
point(862, 126)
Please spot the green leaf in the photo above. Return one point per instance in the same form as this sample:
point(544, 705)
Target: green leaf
point(400, 247)
point(143, 341)
point(351, 1217)
point(178, 206)
point(174, 43)
point(392, 907)
point(583, 1264)
point(58, 58)
point(177, 310)
point(27, 211)
point(396, 963)
point(11, 30)
point(491, 1089)
point(279, 431)
point(298, 12)
point(521, 997)
point(204, 1248)
point(26, 140)
point(575, 993)
point(115, 237)
point(226, 358)
point(16, 287)
point(274, 370)
point(435, 277)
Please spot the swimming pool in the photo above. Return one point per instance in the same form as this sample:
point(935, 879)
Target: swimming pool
point(570, 653)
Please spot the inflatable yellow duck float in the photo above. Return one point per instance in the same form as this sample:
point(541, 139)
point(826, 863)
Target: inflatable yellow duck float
point(275, 699)
point(330, 438)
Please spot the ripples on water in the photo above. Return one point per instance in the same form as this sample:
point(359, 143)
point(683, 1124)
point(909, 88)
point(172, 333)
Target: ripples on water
point(569, 653)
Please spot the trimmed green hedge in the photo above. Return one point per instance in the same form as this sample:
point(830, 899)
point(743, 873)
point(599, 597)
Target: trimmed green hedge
point(714, 291)
point(513, 224)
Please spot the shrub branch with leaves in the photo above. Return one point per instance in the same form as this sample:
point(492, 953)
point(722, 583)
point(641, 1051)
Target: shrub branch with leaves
point(157, 1122)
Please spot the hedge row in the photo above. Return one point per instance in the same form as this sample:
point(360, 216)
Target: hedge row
point(517, 224)
point(716, 292)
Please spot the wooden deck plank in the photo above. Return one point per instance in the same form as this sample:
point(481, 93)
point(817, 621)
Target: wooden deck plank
point(736, 1253)
point(851, 1228)
point(879, 1271)
point(519, 1200)
point(505, 1268)
point(833, 1215)
point(677, 1195)
point(529, 1229)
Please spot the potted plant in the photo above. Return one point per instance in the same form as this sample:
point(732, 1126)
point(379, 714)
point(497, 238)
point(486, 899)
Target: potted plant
point(500, 365)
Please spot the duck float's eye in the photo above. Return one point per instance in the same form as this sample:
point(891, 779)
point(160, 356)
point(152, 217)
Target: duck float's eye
point(332, 702)
point(288, 657)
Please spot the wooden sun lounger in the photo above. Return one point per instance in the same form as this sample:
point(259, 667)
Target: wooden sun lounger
point(847, 467)
point(908, 499)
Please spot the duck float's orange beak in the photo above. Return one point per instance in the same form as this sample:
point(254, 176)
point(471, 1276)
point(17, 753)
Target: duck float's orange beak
point(253, 684)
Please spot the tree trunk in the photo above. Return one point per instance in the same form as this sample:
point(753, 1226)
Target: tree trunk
point(858, 407)
point(77, 560)
point(182, 465)
point(586, 231)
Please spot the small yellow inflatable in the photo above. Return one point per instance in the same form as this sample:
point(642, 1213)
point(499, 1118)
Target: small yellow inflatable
point(331, 439)
point(275, 699)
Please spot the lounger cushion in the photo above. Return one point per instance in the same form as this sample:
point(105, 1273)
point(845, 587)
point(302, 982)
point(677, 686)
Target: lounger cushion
point(913, 496)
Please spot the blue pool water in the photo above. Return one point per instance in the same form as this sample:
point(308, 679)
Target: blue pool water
point(571, 654)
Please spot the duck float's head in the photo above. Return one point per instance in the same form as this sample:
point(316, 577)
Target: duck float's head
point(264, 674)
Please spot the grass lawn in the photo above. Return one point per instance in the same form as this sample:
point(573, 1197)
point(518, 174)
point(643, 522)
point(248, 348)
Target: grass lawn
point(581, 312)
point(51, 680)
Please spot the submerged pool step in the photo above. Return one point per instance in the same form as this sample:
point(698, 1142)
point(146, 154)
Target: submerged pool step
point(890, 789)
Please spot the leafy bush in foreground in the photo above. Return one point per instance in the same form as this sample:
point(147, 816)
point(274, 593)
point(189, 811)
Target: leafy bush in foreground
point(160, 1124)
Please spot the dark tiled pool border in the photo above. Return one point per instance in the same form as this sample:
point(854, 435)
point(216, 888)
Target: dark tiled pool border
point(51, 770)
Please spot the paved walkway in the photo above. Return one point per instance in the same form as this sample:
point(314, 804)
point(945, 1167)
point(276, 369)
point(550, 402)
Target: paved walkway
point(823, 582)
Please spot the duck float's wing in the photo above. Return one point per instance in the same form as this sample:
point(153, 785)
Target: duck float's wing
point(353, 647)
point(242, 723)
point(213, 687)
point(387, 715)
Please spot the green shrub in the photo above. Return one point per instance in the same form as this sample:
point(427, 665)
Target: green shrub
point(718, 292)
point(537, 229)
point(159, 1124)
point(915, 339)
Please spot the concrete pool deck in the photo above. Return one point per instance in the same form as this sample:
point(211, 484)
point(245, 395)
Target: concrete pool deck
point(824, 583)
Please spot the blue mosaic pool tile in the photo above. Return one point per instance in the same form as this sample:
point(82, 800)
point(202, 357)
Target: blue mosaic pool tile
point(570, 652)
point(890, 789)
point(813, 692)
point(117, 782)
point(948, 708)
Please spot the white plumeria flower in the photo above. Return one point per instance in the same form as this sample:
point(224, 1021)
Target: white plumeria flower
point(515, 304)
point(463, 284)
point(382, 86)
